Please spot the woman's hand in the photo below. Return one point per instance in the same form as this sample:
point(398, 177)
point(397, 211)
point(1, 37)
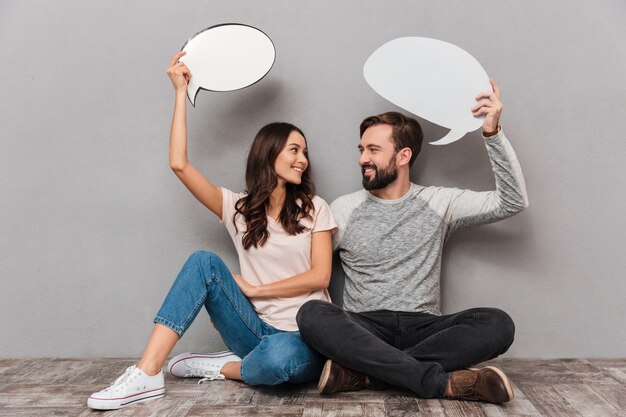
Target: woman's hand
point(490, 106)
point(246, 288)
point(178, 72)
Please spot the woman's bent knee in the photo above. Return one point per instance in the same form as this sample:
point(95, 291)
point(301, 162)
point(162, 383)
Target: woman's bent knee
point(202, 256)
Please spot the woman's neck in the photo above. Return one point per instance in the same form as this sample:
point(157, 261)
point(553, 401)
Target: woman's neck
point(277, 199)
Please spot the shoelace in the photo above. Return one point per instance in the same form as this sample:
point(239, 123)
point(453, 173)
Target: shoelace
point(212, 378)
point(199, 368)
point(209, 371)
point(122, 379)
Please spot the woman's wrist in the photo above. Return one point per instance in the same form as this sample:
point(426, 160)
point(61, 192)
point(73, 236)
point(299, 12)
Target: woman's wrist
point(255, 291)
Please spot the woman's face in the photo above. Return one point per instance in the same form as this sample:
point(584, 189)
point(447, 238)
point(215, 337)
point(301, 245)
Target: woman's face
point(292, 160)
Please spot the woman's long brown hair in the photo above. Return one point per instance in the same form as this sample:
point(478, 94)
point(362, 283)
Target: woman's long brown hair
point(261, 179)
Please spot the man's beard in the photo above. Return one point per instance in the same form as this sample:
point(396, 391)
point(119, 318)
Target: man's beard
point(382, 177)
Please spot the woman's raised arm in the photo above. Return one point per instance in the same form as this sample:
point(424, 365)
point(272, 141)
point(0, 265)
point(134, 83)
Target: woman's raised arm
point(208, 194)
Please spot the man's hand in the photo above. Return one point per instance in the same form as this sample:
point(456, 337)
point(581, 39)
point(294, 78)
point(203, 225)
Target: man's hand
point(246, 288)
point(489, 104)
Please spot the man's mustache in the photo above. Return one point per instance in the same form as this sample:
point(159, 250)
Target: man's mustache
point(366, 166)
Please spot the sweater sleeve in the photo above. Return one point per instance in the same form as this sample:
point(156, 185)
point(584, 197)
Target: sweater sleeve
point(470, 208)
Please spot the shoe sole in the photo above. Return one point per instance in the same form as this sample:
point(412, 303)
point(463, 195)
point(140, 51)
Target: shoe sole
point(503, 377)
point(324, 376)
point(117, 403)
point(189, 355)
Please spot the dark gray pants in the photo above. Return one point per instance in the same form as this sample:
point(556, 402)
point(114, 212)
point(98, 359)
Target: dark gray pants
point(411, 350)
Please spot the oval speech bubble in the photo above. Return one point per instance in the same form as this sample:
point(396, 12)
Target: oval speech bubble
point(227, 57)
point(433, 79)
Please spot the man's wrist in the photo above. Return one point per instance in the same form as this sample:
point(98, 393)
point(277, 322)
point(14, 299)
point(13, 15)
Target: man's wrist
point(495, 132)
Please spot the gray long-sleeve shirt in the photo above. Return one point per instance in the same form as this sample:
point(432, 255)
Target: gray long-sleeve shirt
point(391, 249)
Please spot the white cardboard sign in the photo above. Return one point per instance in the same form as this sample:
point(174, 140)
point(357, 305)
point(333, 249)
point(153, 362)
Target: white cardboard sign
point(433, 79)
point(227, 57)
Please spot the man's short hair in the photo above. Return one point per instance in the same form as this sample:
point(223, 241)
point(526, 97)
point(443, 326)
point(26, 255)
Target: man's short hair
point(406, 132)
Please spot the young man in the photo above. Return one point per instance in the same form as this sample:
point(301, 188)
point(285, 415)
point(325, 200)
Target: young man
point(390, 241)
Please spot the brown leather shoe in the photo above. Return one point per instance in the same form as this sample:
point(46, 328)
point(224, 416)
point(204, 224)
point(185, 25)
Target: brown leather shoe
point(488, 384)
point(336, 378)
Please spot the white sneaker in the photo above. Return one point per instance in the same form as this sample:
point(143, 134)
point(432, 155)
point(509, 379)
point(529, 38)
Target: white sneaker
point(208, 366)
point(133, 386)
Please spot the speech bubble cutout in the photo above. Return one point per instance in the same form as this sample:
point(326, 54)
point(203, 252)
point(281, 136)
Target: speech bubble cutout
point(227, 57)
point(433, 79)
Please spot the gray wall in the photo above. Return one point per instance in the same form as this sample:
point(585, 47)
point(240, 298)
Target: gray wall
point(94, 226)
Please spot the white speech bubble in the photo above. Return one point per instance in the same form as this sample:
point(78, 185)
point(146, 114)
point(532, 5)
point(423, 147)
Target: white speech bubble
point(433, 79)
point(227, 57)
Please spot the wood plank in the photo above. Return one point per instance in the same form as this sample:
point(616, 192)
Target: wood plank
point(44, 395)
point(586, 371)
point(586, 401)
point(245, 410)
point(432, 407)
point(401, 406)
point(616, 395)
point(67, 371)
point(609, 363)
point(224, 393)
point(519, 406)
point(287, 394)
point(549, 402)
point(524, 371)
point(343, 409)
point(451, 408)
point(41, 412)
point(617, 374)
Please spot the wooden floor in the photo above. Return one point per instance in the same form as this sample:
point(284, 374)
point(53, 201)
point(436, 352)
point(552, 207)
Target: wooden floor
point(60, 387)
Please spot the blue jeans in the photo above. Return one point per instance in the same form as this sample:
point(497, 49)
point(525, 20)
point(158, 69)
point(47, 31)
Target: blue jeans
point(270, 356)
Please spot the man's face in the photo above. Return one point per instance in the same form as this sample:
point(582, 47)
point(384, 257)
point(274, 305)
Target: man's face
point(378, 159)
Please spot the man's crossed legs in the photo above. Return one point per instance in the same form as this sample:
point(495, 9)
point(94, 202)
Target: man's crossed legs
point(417, 351)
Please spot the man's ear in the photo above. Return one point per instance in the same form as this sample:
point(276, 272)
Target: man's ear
point(404, 156)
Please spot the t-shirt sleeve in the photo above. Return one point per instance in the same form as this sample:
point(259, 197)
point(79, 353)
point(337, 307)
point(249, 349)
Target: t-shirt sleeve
point(229, 199)
point(324, 219)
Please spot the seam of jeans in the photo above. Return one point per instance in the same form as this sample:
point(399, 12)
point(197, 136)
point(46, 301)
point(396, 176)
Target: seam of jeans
point(242, 374)
point(165, 322)
point(194, 312)
point(199, 303)
point(297, 368)
point(248, 325)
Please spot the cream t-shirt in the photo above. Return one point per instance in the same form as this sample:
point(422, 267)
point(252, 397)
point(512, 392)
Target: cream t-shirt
point(282, 256)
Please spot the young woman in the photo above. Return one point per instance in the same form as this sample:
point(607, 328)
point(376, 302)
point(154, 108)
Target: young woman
point(282, 234)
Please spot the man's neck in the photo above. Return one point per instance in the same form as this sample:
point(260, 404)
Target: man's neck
point(393, 191)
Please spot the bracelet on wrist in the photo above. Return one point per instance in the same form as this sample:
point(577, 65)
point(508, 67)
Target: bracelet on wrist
point(495, 132)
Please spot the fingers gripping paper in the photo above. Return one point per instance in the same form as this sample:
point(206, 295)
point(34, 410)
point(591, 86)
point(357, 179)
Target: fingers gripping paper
point(227, 57)
point(433, 79)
